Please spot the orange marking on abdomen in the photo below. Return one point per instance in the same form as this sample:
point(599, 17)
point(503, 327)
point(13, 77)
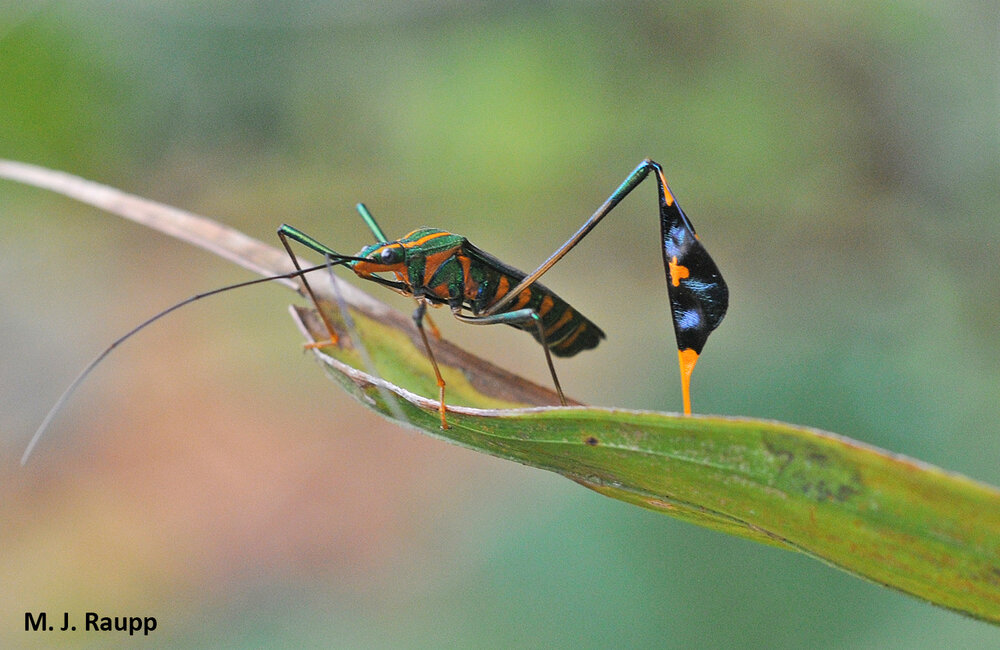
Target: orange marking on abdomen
point(470, 286)
point(503, 286)
point(554, 327)
point(568, 341)
point(522, 299)
point(546, 306)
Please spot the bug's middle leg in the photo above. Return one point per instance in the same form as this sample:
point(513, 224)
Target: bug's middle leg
point(518, 316)
point(418, 319)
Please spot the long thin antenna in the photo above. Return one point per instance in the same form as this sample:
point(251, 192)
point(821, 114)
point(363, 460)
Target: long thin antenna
point(97, 360)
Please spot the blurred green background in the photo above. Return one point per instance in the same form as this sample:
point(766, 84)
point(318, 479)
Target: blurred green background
point(840, 163)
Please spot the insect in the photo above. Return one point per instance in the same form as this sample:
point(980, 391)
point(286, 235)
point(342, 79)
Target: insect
point(440, 268)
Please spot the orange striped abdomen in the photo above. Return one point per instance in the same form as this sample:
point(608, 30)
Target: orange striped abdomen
point(488, 280)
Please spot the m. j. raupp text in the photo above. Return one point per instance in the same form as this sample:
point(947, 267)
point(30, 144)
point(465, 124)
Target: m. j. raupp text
point(92, 622)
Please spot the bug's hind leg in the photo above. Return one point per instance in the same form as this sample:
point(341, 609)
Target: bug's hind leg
point(418, 319)
point(519, 316)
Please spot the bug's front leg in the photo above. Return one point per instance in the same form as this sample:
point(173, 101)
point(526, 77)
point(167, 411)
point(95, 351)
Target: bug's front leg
point(284, 233)
point(418, 320)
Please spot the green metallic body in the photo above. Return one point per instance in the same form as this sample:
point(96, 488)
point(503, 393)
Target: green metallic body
point(445, 268)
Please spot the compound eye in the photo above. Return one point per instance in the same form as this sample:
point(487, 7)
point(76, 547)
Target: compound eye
point(391, 255)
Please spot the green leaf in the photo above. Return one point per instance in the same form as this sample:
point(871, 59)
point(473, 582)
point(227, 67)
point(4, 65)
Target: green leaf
point(889, 519)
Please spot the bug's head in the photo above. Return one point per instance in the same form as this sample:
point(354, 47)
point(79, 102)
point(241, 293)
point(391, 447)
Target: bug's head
point(384, 257)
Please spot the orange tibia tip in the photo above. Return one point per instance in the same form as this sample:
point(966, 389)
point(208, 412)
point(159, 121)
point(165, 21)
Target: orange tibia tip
point(316, 345)
point(688, 358)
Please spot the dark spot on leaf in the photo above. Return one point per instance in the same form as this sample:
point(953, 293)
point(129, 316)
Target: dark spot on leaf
point(592, 441)
point(991, 575)
point(820, 459)
point(783, 456)
point(815, 472)
point(845, 492)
